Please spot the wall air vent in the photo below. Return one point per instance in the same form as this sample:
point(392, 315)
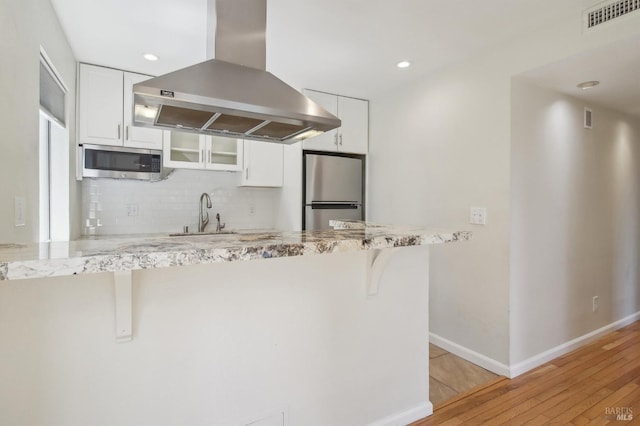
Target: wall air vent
point(588, 118)
point(604, 13)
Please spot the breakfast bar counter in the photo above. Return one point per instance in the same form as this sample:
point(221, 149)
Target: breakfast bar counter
point(118, 253)
point(308, 328)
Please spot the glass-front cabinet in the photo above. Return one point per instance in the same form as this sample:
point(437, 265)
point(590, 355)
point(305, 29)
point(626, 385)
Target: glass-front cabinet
point(193, 151)
point(224, 153)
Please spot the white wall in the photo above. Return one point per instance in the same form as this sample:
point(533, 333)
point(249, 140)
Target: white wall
point(219, 345)
point(575, 206)
point(440, 145)
point(24, 27)
point(435, 151)
point(168, 205)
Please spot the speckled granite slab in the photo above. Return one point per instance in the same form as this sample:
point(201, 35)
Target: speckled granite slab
point(141, 252)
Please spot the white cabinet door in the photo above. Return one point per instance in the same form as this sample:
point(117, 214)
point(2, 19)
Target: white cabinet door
point(184, 151)
point(223, 154)
point(328, 140)
point(353, 136)
point(134, 136)
point(263, 164)
point(100, 106)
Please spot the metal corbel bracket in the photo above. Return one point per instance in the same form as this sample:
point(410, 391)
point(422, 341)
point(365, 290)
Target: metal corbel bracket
point(122, 281)
point(377, 260)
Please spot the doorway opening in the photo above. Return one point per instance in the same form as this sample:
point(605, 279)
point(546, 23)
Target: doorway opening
point(53, 155)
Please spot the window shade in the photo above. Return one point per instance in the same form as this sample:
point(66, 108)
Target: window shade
point(51, 95)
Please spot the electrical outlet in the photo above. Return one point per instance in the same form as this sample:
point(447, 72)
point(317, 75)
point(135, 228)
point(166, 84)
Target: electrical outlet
point(596, 303)
point(19, 210)
point(478, 216)
point(132, 210)
point(252, 210)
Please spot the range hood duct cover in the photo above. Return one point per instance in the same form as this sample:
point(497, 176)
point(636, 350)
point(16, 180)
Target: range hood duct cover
point(231, 95)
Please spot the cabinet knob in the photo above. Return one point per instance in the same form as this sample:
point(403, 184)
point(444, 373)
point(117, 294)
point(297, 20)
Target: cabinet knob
point(340, 139)
point(118, 130)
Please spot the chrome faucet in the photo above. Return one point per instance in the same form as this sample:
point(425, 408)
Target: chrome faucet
point(203, 220)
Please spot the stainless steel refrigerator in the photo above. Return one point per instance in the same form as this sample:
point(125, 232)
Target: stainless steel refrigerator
point(333, 188)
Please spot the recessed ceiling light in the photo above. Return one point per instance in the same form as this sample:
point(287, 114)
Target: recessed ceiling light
point(150, 57)
point(587, 84)
point(403, 64)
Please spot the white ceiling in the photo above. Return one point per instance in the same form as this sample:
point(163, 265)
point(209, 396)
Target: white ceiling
point(617, 67)
point(344, 46)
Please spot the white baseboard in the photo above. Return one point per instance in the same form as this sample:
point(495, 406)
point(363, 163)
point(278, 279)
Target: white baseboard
point(471, 356)
point(546, 356)
point(536, 360)
point(406, 417)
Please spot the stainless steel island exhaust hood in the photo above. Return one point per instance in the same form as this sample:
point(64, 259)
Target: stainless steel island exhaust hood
point(231, 95)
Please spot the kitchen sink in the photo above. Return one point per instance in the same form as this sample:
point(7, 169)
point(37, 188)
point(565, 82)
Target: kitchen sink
point(199, 234)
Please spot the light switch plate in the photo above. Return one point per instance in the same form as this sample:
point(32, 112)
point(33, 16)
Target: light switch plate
point(19, 210)
point(478, 216)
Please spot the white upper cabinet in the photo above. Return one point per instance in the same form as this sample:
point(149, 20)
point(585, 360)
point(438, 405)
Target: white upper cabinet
point(100, 105)
point(223, 153)
point(184, 151)
point(192, 151)
point(105, 109)
point(134, 136)
point(353, 135)
point(263, 164)
point(328, 140)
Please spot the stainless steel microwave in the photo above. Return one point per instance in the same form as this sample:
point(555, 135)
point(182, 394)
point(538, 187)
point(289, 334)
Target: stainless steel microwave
point(100, 161)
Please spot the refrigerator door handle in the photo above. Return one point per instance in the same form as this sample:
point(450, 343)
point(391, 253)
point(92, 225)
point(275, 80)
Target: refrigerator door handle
point(334, 206)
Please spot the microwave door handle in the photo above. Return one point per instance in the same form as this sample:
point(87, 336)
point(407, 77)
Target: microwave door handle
point(142, 166)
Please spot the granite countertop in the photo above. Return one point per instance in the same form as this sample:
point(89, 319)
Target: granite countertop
point(91, 255)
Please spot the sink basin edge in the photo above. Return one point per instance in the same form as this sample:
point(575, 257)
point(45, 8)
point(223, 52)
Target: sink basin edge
point(201, 234)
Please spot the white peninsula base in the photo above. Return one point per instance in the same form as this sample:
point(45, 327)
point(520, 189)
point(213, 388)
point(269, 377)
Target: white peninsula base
point(283, 341)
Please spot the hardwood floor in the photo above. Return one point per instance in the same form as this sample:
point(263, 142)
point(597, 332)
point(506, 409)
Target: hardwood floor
point(592, 385)
point(450, 375)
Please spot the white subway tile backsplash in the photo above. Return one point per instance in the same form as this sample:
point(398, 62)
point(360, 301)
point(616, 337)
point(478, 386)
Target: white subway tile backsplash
point(169, 205)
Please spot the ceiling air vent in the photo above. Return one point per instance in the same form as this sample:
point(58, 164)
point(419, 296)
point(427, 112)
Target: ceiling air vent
point(605, 13)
